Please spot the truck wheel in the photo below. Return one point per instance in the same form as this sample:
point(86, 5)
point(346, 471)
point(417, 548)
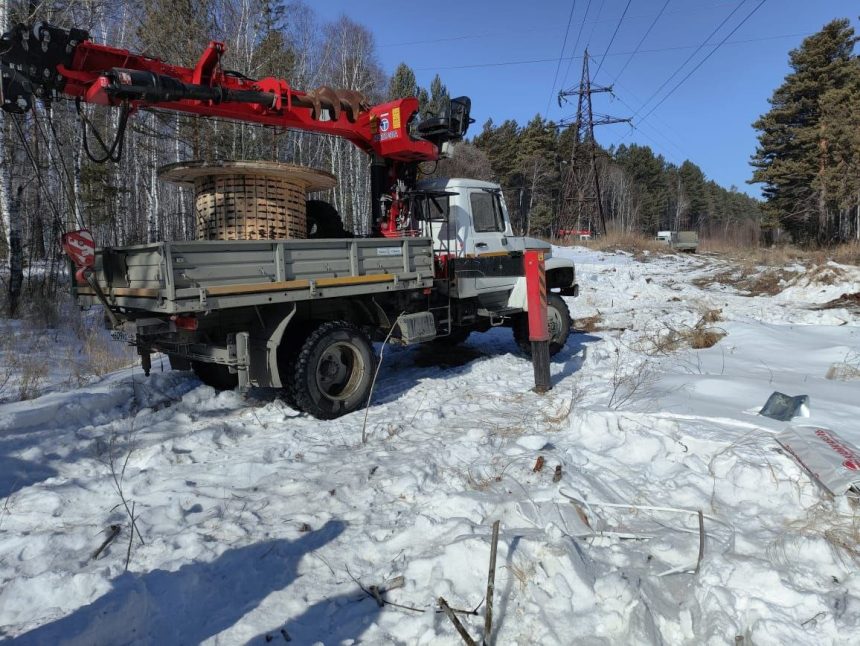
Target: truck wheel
point(333, 371)
point(288, 351)
point(558, 322)
point(215, 375)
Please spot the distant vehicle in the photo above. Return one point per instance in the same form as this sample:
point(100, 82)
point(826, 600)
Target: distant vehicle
point(576, 234)
point(680, 240)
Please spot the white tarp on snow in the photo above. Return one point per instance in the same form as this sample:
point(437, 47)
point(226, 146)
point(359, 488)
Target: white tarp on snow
point(834, 462)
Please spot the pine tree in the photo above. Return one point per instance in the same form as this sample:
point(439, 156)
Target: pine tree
point(797, 140)
point(539, 168)
point(439, 97)
point(840, 128)
point(402, 83)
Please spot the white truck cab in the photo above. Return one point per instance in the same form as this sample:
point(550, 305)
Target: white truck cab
point(468, 219)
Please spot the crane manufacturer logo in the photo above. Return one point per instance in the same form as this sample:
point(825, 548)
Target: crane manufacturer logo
point(851, 461)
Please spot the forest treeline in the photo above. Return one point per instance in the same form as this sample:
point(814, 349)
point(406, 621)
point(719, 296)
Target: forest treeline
point(642, 192)
point(48, 184)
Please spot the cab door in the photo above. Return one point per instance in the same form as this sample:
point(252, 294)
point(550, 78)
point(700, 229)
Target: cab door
point(489, 231)
point(488, 240)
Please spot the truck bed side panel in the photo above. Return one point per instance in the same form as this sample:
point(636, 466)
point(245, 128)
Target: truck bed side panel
point(173, 277)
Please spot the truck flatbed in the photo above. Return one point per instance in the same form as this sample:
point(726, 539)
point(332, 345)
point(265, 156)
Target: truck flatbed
point(186, 277)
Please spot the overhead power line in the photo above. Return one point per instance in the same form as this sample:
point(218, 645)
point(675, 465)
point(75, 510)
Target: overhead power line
point(689, 58)
point(576, 44)
point(612, 40)
point(657, 50)
point(701, 62)
point(641, 41)
point(560, 55)
point(594, 26)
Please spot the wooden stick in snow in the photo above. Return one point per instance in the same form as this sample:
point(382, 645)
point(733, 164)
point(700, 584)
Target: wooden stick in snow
point(491, 585)
point(460, 629)
point(701, 541)
point(130, 537)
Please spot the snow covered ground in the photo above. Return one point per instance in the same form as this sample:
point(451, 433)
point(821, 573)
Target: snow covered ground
point(258, 523)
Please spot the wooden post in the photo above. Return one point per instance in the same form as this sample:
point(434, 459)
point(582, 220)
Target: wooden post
point(537, 316)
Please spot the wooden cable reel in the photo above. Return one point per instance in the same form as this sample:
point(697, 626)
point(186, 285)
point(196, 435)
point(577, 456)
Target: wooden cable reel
point(249, 200)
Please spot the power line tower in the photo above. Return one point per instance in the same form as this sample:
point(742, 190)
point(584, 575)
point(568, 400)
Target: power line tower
point(582, 206)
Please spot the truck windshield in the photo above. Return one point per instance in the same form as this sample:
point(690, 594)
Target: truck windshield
point(486, 212)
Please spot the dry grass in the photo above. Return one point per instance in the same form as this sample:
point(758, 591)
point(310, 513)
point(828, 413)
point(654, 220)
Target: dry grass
point(635, 243)
point(523, 570)
point(55, 344)
point(96, 354)
point(780, 255)
point(588, 323)
point(751, 280)
point(839, 530)
point(846, 370)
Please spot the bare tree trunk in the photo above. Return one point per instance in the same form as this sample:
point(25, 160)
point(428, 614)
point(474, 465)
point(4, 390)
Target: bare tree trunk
point(152, 217)
point(10, 208)
point(16, 264)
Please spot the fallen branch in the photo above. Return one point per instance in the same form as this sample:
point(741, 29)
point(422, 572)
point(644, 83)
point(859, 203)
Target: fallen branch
point(491, 585)
point(114, 532)
point(459, 626)
point(377, 594)
point(676, 510)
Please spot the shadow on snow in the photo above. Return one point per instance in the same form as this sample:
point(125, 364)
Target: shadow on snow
point(193, 603)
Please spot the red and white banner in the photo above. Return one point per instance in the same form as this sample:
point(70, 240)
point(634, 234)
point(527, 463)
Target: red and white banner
point(834, 462)
point(80, 247)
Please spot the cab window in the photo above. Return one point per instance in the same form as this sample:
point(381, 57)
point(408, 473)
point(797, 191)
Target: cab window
point(437, 208)
point(486, 212)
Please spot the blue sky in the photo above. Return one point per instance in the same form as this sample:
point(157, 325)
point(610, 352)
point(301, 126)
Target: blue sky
point(479, 48)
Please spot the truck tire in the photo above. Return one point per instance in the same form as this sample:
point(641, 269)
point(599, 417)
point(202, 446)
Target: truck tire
point(558, 322)
point(333, 372)
point(288, 351)
point(215, 375)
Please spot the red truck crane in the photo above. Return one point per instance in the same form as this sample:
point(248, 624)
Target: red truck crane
point(42, 61)
point(301, 314)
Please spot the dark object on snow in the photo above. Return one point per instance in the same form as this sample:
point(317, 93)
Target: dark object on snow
point(783, 408)
point(557, 475)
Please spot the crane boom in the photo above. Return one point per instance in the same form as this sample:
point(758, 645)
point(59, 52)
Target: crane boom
point(42, 61)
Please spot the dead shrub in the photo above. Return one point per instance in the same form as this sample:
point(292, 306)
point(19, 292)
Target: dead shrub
point(710, 315)
point(628, 379)
point(700, 336)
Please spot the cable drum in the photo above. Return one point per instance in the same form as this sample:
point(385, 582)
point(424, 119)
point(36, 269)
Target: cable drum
point(249, 200)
